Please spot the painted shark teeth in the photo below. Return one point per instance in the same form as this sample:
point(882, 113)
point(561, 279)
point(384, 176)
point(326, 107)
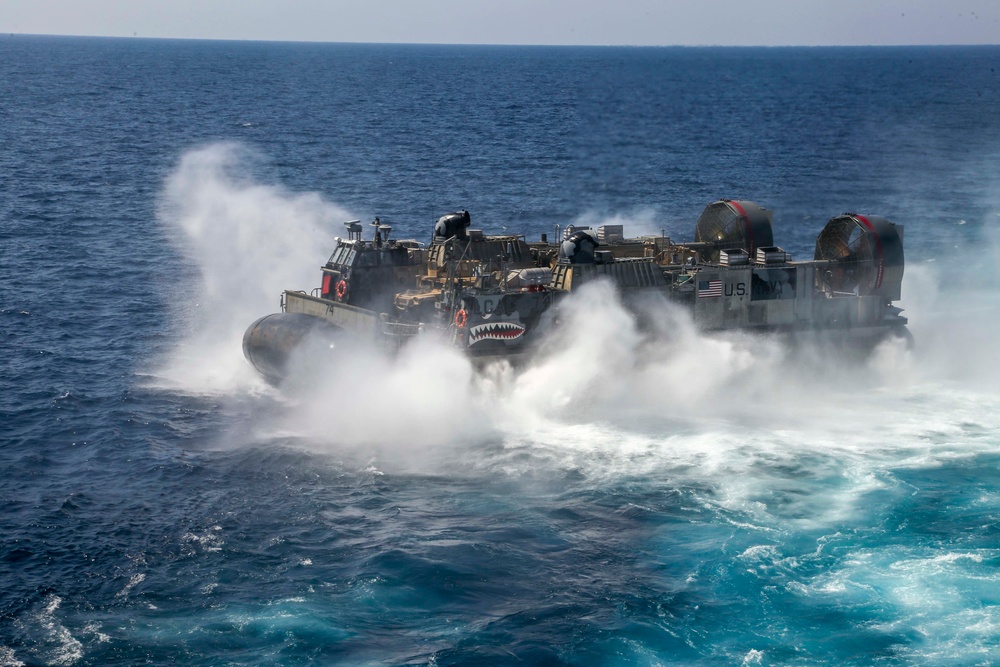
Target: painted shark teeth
point(495, 331)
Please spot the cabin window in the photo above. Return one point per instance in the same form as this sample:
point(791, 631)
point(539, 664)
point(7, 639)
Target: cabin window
point(342, 256)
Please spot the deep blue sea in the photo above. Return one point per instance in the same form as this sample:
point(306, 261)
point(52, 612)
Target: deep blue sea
point(619, 500)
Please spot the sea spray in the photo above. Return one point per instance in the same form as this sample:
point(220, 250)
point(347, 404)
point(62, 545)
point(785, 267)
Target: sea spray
point(356, 395)
point(248, 242)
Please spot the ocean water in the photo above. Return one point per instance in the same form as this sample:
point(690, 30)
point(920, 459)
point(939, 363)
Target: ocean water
point(620, 500)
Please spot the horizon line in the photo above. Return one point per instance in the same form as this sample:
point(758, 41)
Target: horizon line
point(503, 44)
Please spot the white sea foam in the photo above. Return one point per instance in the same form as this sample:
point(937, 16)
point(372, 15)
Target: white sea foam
point(8, 658)
point(62, 648)
point(94, 630)
point(133, 581)
point(210, 541)
point(937, 594)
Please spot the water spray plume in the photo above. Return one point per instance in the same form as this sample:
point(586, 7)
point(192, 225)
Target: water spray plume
point(358, 395)
point(582, 364)
point(248, 242)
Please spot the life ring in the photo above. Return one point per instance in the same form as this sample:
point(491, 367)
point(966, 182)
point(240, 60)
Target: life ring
point(341, 289)
point(461, 317)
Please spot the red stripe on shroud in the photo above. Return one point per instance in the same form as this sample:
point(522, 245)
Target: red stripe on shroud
point(878, 248)
point(747, 229)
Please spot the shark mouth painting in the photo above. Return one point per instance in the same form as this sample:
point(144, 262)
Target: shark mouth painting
point(495, 331)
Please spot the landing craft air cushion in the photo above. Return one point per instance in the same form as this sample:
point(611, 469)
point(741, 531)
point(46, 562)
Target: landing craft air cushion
point(496, 296)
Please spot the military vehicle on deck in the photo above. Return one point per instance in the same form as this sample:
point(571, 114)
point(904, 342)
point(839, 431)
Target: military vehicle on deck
point(496, 296)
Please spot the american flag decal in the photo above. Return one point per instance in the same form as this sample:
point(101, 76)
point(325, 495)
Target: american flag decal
point(709, 288)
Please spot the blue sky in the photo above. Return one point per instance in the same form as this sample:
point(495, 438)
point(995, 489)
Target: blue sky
point(625, 22)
